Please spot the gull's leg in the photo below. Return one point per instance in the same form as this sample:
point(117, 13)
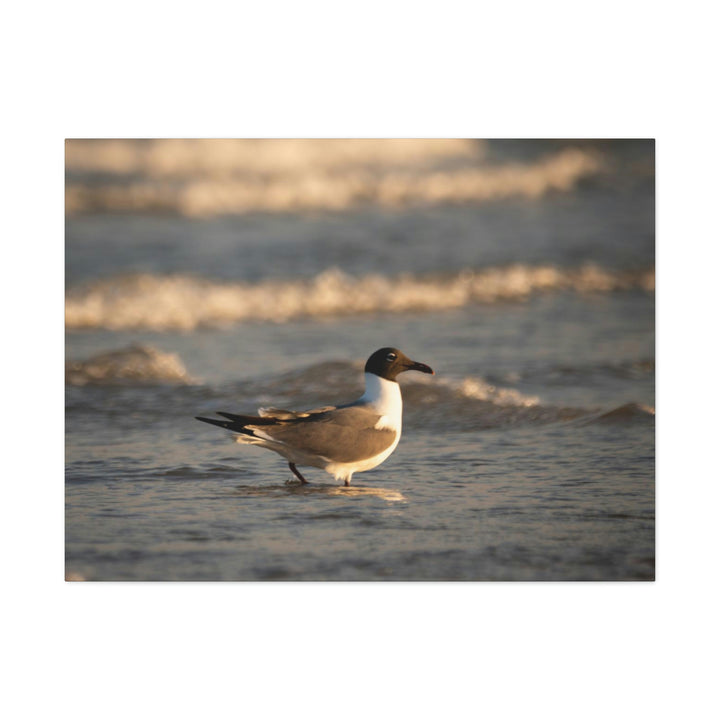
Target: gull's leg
point(297, 474)
point(347, 480)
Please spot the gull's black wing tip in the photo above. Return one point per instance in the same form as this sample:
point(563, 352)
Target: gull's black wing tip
point(238, 423)
point(212, 421)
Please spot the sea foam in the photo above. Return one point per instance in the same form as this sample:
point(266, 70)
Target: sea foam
point(137, 364)
point(184, 302)
point(203, 178)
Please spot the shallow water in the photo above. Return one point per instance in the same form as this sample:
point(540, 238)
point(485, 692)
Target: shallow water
point(563, 503)
point(529, 455)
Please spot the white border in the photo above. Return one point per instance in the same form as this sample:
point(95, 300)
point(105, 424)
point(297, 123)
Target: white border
point(428, 650)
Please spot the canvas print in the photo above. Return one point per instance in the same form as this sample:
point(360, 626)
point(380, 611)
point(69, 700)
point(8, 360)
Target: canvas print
point(360, 360)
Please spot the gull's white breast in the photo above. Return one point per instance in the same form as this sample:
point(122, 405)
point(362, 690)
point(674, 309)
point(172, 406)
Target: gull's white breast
point(385, 398)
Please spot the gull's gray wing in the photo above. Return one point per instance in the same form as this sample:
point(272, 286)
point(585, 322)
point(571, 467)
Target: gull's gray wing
point(280, 414)
point(345, 434)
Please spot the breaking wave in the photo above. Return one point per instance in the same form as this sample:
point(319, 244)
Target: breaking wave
point(343, 380)
point(183, 302)
point(137, 364)
point(629, 412)
point(203, 178)
point(473, 401)
point(222, 158)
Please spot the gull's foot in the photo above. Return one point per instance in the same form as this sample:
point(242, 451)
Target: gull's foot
point(297, 474)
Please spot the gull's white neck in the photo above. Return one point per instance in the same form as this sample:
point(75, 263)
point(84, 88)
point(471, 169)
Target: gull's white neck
point(384, 396)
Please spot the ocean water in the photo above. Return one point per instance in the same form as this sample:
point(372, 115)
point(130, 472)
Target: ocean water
point(205, 276)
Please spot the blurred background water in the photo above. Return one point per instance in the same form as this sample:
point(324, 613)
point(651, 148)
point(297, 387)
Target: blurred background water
point(206, 275)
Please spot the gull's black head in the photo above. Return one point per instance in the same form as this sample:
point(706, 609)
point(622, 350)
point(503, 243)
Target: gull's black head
point(389, 362)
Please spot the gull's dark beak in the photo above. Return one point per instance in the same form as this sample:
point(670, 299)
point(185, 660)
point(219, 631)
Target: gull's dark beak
point(421, 367)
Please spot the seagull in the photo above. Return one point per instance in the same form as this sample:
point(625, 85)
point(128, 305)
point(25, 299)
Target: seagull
point(343, 439)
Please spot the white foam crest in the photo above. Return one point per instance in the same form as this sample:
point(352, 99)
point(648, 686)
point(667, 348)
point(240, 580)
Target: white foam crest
point(203, 180)
point(476, 388)
point(479, 389)
point(134, 364)
point(223, 158)
point(181, 302)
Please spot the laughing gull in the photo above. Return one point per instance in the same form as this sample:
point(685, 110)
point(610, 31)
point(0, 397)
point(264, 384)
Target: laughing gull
point(342, 439)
